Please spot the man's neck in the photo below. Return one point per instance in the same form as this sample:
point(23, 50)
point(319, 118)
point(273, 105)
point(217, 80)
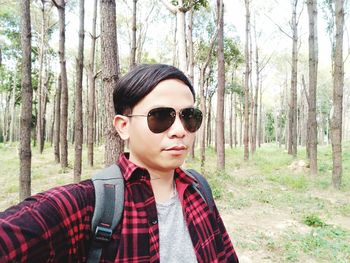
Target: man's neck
point(163, 186)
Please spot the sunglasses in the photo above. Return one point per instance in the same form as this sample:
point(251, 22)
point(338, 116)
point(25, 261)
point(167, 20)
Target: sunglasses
point(161, 119)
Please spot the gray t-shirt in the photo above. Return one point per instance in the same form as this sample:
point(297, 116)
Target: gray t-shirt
point(175, 241)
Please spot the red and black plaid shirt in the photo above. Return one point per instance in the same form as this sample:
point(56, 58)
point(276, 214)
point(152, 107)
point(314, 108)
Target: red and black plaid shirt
point(55, 226)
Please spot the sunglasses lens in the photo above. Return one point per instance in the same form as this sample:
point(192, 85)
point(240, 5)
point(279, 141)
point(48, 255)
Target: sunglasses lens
point(160, 119)
point(191, 119)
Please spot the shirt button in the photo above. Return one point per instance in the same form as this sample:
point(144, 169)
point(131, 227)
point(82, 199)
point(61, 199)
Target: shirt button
point(154, 222)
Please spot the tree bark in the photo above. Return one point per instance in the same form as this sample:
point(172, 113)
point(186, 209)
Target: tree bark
point(133, 36)
point(180, 11)
point(246, 86)
point(57, 120)
point(191, 61)
point(78, 124)
point(13, 109)
point(220, 125)
point(91, 91)
point(293, 143)
point(25, 153)
point(42, 51)
point(235, 119)
point(338, 84)
point(313, 65)
point(255, 112)
point(110, 75)
point(60, 4)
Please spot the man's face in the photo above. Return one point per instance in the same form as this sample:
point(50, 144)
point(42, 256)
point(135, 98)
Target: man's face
point(166, 150)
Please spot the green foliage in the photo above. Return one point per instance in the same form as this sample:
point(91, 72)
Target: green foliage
point(232, 53)
point(269, 126)
point(313, 220)
point(188, 4)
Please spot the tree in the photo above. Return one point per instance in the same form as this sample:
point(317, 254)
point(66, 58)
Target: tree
point(179, 9)
point(293, 143)
point(110, 75)
point(25, 153)
point(61, 6)
point(220, 127)
point(91, 91)
point(133, 35)
point(78, 124)
point(338, 84)
point(56, 136)
point(246, 85)
point(42, 79)
point(311, 98)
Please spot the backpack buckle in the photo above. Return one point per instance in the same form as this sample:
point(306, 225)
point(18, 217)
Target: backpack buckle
point(103, 234)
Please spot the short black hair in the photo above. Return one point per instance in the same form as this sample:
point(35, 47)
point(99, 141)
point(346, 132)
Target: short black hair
point(140, 81)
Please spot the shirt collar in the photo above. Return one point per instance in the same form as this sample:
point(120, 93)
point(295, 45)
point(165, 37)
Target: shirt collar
point(128, 168)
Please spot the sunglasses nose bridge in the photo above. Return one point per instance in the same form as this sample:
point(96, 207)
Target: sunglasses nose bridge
point(177, 126)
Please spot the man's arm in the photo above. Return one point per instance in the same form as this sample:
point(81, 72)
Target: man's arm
point(50, 225)
point(230, 252)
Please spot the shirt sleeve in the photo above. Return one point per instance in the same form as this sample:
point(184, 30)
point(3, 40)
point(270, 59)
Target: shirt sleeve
point(230, 253)
point(53, 226)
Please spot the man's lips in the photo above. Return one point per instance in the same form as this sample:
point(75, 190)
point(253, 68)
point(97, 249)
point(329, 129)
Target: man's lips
point(176, 148)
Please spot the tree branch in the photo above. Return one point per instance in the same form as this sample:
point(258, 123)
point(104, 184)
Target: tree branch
point(169, 6)
point(55, 3)
point(279, 27)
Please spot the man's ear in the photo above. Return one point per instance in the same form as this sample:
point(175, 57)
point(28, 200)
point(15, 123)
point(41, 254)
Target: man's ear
point(121, 124)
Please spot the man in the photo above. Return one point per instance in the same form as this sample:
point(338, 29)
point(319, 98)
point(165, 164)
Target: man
point(164, 218)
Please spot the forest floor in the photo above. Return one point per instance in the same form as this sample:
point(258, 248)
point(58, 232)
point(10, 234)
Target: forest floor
point(273, 210)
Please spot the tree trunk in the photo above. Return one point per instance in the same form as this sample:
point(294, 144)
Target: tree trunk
point(260, 128)
point(209, 128)
point(6, 131)
point(231, 120)
point(78, 124)
point(220, 125)
point(313, 65)
point(110, 75)
point(57, 120)
point(13, 109)
point(64, 86)
point(91, 91)
point(235, 119)
point(42, 51)
point(191, 61)
point(246, 87)
point(203, 109)
point(25, 153)
point(180, 13)
point(338, 84)
point(133, 36)
point(255, 115)
point(293, 143)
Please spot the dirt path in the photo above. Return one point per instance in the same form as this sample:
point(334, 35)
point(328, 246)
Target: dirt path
point(258, 229)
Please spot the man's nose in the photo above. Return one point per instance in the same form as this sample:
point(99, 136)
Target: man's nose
point(177, 129)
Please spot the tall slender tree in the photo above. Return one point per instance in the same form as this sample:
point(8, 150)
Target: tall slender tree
point(56, 137)
point(78, 124)
point(247, 81)
point(293, 143)
point(311, 98)
point(110, 75)
point(91, 90)
point(338, 84)
point(61, 7)
point(133, 35)
point(25, 153)
point(220, 126)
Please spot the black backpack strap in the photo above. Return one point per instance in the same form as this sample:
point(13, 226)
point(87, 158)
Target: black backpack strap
point(109, 204)
point(203, 188)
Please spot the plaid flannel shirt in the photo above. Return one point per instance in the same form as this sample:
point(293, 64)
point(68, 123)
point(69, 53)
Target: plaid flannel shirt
point(55, 226)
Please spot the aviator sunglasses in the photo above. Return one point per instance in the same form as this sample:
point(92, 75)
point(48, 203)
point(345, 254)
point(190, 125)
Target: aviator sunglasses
point(161, 119)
